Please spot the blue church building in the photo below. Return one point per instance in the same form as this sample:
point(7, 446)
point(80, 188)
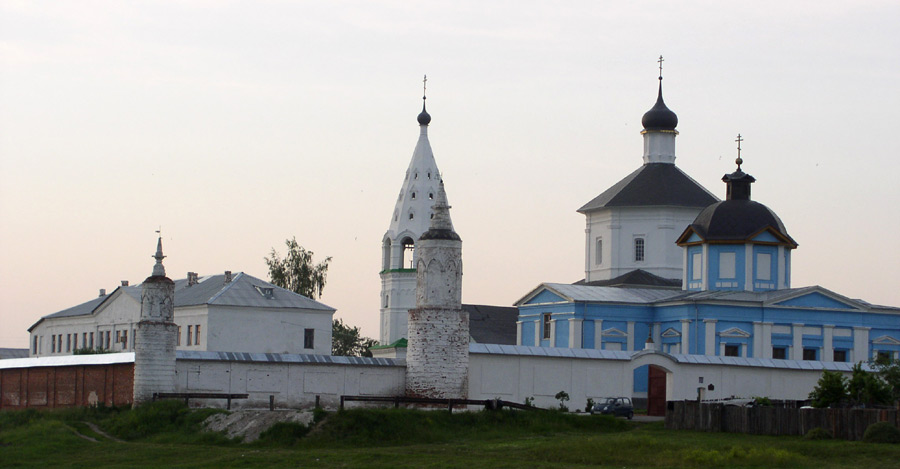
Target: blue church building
point(734, 297)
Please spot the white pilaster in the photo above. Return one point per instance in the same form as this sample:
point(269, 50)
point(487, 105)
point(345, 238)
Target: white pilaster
point(757, 338)
point(574, 333)
point(748, 267)
point(553, 332)
point(598, 334)
point(766, 351)
point(782, 280)
point(860, 344)
point(710, 337)
point(705, 268)
point(827, 343)
point(686, 333)
point(657, 339)
point(518, 332)
point(537, 332)
point(797, 347)
point(629, 341)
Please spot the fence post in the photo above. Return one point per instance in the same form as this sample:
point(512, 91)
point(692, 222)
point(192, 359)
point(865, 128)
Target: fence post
point(271, 402)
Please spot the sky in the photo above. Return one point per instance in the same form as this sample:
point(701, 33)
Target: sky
point(236, 125)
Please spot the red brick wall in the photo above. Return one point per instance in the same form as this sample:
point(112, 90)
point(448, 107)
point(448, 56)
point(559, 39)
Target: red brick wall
point(66, 386)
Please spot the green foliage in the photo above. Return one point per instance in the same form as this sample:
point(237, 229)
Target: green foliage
point(882, 432)
point(762, 401)
point(166, 417)
point(296, 271)
point(529, 401)
point(283, 434)
point(889, 372)
point(817, 433)
point(589, 405)
point(90, 351)
point(348, 340)
point(562, 396)
point(831, 389)
point(867, 388)
point(319, 415)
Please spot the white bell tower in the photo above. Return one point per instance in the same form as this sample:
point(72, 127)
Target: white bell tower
point(411, 218)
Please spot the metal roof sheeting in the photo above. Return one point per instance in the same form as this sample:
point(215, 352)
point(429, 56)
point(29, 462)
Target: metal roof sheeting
point(283, 358)
point(68, 360)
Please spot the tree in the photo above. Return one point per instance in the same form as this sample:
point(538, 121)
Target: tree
point(867, 388)
point(889, 371)
point(348, 341)
point(831, 389)
point(296, 271)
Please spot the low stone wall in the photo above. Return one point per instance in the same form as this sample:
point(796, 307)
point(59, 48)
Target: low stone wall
point(847, 424)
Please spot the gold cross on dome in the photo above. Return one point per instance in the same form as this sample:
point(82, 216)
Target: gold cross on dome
point(424, 83)
point(660, 66)
point(739, 160)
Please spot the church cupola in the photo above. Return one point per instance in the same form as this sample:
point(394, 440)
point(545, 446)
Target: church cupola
point(737, 244)
point(659, 129)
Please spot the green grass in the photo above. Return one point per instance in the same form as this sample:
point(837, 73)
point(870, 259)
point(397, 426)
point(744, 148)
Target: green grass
point(167, 434)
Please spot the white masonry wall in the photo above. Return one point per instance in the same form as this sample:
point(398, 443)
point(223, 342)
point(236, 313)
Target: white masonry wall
point(293, 385)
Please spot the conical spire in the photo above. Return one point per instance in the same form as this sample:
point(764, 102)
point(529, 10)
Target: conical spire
point(441, 225)
point(660, 117)
point(158, 269)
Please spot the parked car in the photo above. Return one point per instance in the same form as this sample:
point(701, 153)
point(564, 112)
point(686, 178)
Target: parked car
point(617, 406)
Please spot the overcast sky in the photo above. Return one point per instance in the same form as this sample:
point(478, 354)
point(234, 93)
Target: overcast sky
point(236, 125)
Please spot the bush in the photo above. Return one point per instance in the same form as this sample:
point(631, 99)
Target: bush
point(589, 405)
point(284, 434)
point(817, 433)
point(830, 390)
point(882, 432)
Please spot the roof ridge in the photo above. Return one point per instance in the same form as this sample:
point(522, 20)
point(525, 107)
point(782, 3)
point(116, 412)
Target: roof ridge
point(225, 288)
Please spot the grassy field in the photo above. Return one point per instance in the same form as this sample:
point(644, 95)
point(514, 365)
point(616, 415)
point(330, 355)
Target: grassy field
point(168, 434)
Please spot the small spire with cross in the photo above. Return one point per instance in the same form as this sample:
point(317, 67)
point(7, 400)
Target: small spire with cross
point(424, 86)
point(661, 60)
point(739, 161)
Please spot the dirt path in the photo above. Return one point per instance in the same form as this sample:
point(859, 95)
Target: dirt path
point(100, 432)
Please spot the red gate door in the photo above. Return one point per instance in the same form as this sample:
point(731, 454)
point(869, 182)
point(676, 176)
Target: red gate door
point(656, 391)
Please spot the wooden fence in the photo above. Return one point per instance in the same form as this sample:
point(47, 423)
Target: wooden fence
point(847, 424)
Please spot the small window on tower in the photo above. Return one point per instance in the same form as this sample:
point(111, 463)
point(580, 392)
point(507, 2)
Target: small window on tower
point(639, 249)
point(413, 196)
point(416, 176)
point(598, 254)
point(546, 321)
point(432, 217)
point(308, 338)
point(430, 196)
point(410, 216)
point(429, 174)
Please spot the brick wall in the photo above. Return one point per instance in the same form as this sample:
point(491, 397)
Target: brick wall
point(66, 386)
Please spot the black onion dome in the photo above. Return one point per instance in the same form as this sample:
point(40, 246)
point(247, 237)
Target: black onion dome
point(424, 118)
point(659, 117)
point(737, 220)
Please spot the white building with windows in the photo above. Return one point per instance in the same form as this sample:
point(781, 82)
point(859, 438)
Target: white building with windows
point(230, 312)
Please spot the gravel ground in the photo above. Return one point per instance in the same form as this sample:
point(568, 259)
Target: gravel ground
point(250, 423)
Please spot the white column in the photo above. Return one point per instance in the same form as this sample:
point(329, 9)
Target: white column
point(598, 334)
point(686, 333)
point(574, 333)
point(704, 273)
point(797, 347)
point(766, 351)
point(537, 332)
point(684, 271)
point(629, 341)
point(748, 267)
point(710, 348)
point(860, 344)
point(518, 332)
point(553, 332)
point(656, 337)
point(587, 249)
point(827, 342)
point(757, 338)
point(782, 283)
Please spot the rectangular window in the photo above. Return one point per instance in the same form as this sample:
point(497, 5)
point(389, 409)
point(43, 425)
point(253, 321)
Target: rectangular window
point(91, 337)
point(107, 340)
point(546, 321)
point(34, 346)
point(763, 266)
point(809, 354)
point(639, 249)
point(84, 342)
point(883, 355)
point(53, 343)
point(726, 265)
point(190, 332)
point(75, 341)
point(309, 336)
point(840, 355)
point(178, 337)
point(118, 337)
point(125, 340)
point(68, 342)
point(732, 350)
point(779, 353)
point(598, 254)
point(197, 334)
point(697, 266)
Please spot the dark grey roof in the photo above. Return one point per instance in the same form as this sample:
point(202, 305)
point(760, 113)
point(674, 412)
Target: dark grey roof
point(637, 278)
point(6, 353)
point(738, 220)
point(653, 184)
point(659, 117)
point(492, 324)
point(241, 291)
point(282, 358)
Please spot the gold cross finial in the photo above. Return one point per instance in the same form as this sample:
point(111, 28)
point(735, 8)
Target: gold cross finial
point(661, 60)
point(739, 161)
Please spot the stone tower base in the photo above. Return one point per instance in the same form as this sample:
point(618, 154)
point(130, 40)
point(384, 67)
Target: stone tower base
point(437, 356)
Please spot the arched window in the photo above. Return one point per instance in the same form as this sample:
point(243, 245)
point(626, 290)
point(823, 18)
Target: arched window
point(407, 254)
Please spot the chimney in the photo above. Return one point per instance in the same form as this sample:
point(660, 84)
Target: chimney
point(102, 292)
point(227, 276)
point(124, 283)
point(192, 278)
